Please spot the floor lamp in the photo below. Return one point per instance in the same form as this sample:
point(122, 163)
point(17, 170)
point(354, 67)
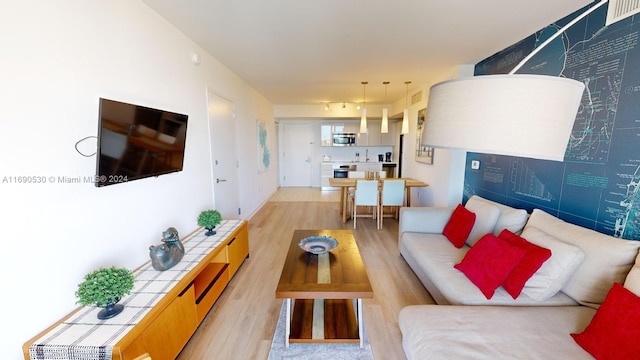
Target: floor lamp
point(519, 115)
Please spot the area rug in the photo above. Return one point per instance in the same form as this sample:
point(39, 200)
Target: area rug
point(315, 351)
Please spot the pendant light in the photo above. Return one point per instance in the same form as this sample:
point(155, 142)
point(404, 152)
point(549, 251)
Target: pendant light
point(384, 127)
point(363, 119)
point(405, 116)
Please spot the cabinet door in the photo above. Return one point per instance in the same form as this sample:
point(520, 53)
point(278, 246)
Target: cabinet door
point(389, 139)
point(326, 172)
point(362, 139)
point(237, 250)
point(326, 135)
point(375, 137)
point(170, 331)
point(326, 169)
point(338, 128)
point(352, 127)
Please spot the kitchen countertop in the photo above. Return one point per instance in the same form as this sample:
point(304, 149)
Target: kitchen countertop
point(358, 162)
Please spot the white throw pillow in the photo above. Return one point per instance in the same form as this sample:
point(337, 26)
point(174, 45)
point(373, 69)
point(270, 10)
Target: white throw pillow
point(510, 218)
point(607, 259)
point(552, 275)
point(632, 282)
point(486, 218)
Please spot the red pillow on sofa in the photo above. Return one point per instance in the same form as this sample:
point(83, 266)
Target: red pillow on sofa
point(488, 263)
point(459, 226)
point(615, 328)
point(534, 257)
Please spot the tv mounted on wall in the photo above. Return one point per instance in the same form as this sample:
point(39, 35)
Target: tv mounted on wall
point(135, 142)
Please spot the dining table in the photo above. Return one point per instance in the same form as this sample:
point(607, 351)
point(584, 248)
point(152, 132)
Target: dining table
point(345, 183)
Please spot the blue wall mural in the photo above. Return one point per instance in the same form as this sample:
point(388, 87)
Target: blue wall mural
point(597, 184)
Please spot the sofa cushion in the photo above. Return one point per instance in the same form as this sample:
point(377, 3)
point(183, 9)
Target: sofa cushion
point(492, 332)
point(615, 328)
point(607, 259)
point(510, 218)
point(554, 273)
point(459, 226)
point(533, 259)
point(431, 220)
point(488, 263)
point(486, 218)
point(432, 258)
point(632, 282)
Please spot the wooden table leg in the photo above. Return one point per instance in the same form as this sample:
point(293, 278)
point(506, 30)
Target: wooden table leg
point(345, 195)
point(408, 196)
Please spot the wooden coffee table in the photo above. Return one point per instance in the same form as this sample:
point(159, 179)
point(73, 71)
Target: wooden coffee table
point(320, 291)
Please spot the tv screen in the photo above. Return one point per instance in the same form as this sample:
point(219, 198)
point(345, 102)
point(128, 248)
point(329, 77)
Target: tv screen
point(136, 142)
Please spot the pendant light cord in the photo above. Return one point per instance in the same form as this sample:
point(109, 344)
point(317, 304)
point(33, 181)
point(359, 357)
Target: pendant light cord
point(364, 93)
point(406, 99)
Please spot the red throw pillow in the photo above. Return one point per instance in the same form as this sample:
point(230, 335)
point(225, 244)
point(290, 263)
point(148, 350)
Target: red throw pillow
point(459, 226)
point(614, 330)
point(534, 257)
point(488, 263)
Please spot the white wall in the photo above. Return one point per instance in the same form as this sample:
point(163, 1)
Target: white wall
point(58, 59)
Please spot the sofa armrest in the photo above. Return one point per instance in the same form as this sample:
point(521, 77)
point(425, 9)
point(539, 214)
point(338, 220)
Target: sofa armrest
point(430, 220)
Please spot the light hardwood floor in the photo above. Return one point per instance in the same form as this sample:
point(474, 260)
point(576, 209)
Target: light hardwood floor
point(242, 322)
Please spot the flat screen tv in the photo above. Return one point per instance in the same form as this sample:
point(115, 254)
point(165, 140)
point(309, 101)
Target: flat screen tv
point(135, 142)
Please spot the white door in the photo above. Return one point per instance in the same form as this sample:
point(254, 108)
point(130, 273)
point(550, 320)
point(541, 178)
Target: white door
point(224, 158)
point(296, 154)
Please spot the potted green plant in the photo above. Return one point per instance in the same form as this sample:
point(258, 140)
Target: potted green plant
point(104, 288)
point(208, 219)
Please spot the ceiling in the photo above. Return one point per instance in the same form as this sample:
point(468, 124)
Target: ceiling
point(297, 52)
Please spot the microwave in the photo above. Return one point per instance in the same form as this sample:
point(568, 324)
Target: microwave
point(344, 139)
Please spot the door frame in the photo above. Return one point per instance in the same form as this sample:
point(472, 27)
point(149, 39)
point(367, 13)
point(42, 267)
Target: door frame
point(211, 131)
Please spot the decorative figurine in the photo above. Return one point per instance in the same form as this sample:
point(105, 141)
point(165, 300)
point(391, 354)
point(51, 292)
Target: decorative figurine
point(165, 256)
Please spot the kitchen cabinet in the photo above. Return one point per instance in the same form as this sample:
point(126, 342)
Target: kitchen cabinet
point(389, 139)
point(328, 129)
point(374, 137)
point(346, 127)
point(351, 127)
point(326, 172)
point(326, 135)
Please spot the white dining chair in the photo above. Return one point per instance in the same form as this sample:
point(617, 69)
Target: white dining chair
point(366, 194)
point(357, 174)
point(392, 195)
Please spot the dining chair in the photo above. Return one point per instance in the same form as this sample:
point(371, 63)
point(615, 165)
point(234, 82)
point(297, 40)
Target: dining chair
point(357, 174)
point(366, 194)
point(392, 195)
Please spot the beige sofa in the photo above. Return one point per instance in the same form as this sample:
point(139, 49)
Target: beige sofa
point(560, 299)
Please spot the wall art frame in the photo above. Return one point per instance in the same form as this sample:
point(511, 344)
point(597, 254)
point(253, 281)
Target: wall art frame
point(262, 146)
point(424, 153)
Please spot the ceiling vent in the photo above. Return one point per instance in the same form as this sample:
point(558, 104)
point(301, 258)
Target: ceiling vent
point(621, 9)
point(417, 97)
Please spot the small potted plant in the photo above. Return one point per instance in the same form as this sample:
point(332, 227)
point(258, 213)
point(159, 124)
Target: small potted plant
point(104, 288)
point(208, 219)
